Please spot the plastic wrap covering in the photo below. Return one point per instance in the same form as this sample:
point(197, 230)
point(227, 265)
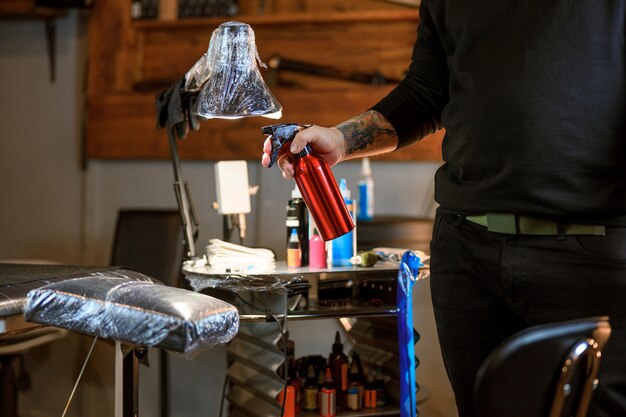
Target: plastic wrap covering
point(17, 279)
point(136, 312)
point(228, 77)
point(237, 282)
point(253, 295)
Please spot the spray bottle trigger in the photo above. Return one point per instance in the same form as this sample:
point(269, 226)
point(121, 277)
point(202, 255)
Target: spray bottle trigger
point(280, 135)
point(277, 145)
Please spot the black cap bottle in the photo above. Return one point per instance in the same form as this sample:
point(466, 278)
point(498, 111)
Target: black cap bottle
point(338, 363)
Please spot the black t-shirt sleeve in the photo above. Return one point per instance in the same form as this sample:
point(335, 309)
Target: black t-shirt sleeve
point(415, 106)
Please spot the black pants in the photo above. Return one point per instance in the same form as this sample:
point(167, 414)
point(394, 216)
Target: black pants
point(487, 286)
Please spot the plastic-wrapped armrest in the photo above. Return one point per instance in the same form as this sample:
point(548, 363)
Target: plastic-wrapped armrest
point(142, 313)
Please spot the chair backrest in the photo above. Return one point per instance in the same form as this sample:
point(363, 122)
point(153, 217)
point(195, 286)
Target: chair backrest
point(544, 371)
point(150, 242)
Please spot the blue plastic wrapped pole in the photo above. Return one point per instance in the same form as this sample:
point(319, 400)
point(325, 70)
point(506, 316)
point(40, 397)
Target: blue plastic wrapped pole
point(407, 275)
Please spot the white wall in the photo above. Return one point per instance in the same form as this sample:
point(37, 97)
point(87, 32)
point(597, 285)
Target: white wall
point(40, 176)
point(53, 209)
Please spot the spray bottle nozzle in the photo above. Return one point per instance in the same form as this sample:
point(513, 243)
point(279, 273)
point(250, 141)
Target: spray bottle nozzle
point(280, 135)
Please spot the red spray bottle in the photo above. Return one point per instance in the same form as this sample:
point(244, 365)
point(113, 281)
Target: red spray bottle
point(315, 181)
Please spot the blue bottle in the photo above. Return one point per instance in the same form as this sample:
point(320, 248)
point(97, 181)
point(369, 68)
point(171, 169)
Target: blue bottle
point(366, 192)
point(344, 247)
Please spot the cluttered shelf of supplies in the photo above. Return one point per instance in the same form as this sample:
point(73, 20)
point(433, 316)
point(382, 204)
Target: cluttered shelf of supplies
point(309, 293)
point(331, 62)
point(364, 299)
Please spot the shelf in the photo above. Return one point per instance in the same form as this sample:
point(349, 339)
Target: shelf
point(366, 412)
point(28, 10)
point(332, 293)
point(318, 313)
point(263, 301)
point(282, 19)
point(286, 273)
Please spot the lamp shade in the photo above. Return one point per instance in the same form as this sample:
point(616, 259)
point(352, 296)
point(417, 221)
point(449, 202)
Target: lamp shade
point(228, 79)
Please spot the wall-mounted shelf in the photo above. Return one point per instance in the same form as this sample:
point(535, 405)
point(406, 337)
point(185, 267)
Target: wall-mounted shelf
point(8, 11)
point(285, 18)
point(30, 10)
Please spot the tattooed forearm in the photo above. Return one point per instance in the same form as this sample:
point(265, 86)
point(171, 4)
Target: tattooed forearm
point(368, 134)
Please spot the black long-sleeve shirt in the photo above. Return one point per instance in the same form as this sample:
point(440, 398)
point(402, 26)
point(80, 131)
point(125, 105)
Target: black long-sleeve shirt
point(532, 95)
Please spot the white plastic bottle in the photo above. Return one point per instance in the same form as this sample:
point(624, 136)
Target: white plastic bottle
point(366, 192)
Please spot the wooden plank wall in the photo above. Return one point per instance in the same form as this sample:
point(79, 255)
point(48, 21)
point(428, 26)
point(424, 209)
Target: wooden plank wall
point(130, 61)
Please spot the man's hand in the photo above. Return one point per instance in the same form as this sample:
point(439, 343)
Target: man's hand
point(367, 134)
point(327, 143)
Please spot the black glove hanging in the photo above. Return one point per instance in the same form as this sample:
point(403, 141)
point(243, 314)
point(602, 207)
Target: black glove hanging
point(173, 107)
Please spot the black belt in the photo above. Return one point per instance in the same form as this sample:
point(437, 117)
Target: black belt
point(527, 225)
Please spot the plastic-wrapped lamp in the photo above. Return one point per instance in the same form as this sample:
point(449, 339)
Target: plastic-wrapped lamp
point(228, 77)
point(225, 83)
